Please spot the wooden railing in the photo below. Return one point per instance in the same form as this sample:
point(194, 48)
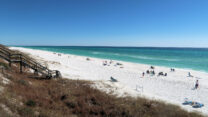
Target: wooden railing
point(14, 57)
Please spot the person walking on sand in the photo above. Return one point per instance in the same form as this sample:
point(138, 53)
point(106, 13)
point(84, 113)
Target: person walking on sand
point(197, 84)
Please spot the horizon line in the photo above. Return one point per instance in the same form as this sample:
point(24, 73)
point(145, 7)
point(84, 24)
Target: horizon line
point(112, 46)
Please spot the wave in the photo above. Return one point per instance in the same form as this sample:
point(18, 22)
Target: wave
point(117, 54)
point(171, 59)
point(151, 58)
point(135, 56)
point(98, 52)
point(107, 53)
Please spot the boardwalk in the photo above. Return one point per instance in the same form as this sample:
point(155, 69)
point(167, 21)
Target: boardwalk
point(13, 57)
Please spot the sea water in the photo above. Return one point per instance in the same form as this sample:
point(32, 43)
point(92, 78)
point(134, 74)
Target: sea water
point(191, 58)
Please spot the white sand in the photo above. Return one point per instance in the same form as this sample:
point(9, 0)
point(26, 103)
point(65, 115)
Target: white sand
point(173, 88)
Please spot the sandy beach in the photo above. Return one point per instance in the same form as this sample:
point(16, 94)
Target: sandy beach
point(172, 88)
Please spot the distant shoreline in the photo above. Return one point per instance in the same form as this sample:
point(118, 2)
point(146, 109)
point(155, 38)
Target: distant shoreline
point(136, 58)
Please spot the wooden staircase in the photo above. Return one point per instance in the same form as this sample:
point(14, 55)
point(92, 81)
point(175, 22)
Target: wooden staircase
point(14, 57)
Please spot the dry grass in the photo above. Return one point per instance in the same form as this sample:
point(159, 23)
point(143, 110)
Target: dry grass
point(4, 113)
point(28, 97)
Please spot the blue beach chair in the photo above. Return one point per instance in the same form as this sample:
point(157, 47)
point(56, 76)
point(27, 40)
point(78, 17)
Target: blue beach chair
point(197, 105)
point(187, 102)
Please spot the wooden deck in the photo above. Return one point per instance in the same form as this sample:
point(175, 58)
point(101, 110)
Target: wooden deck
point(14, 57)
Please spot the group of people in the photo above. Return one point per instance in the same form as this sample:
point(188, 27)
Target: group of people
point(106, 63)
point(148, 72)
point(172, 69)
point(152, 72)
point(57, 53)
point(162, 74)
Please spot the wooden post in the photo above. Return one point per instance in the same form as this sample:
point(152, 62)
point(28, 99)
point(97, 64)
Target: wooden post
point(20, 63)
point(48, 74)
point(36, 69)
point(10, 62)
point(36, 72)
point(2, 70)
point(57, 74)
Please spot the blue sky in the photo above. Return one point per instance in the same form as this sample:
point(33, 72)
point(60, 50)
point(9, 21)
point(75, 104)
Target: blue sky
point(174, 23)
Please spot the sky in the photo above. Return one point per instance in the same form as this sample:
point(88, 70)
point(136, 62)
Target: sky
point(158, 23)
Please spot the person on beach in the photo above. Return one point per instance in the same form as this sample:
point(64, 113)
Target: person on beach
point(111, 61)
point(197, 84)
point(104, 63)
point(172, 70)
point(143, 74)
point(153, 72)
point(148, 72)
point(160, 74)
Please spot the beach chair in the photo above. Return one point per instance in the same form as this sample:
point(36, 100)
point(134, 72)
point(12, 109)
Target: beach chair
point(139, 88)
point(197, 105)
point(187, 102)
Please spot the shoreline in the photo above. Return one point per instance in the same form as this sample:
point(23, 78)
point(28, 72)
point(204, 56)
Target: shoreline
point(139, 63)
point(162, 88)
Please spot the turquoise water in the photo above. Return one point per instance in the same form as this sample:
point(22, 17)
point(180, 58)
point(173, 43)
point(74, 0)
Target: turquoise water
point(191, 58)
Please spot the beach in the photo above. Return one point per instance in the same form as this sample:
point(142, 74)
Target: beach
point(173, 88)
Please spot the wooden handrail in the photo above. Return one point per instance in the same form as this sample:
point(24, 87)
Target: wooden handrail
point(12, 56)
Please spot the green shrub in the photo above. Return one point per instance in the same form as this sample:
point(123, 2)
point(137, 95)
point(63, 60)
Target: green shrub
point(31, 103)
point(3, 113)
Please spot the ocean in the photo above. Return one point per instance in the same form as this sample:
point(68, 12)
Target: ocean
point(188, 58)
